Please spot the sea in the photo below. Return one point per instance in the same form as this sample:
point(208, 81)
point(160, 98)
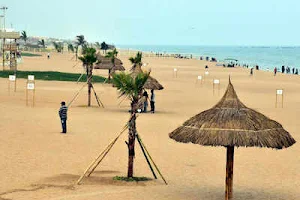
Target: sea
point(266, 57)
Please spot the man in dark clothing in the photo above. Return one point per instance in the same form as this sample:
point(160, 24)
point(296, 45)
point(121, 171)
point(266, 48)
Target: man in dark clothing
point(63, 116)
point(152, 101)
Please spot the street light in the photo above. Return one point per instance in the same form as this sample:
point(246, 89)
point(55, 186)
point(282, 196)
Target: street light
point(4, 8)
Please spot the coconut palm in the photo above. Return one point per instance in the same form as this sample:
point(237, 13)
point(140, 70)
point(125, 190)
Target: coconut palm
point(42, 43)
point(58, 46)
point(88, 59)
point(132, 87)
point(137, 60)
point(104, 47)
point(112, 55)
point(80, 41)
point(24, 36)
point(70, 47)
point(97, 45)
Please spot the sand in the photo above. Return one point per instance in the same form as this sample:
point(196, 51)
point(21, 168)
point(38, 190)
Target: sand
point(37, 162)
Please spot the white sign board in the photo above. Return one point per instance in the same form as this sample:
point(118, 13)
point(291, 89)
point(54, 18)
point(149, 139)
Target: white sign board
point(279, 92)
point(31, 77)
point(175, 70)
point(216, 81)
point(12, 77)
point(206, 73)
point(199, 77)
point(30, 86)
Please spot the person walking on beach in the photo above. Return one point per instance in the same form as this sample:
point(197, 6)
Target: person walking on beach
point(296, 71)
point(48, 55)
point(282, 69)
point(145, 95)
point(152, 101)
point(275, 71)
point(63, 116)
point(251, 71)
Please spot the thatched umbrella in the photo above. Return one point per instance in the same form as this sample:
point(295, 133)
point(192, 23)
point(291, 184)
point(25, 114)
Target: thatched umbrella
point(106, 63)
point(151, 83)
point(231, 124)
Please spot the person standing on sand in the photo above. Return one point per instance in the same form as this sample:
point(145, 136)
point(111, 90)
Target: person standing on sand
point(63, 116)
point(275, 71)
point(145, 95)
point(152, 101)
point(251, 71)
point(282, 69)
point(48, 55)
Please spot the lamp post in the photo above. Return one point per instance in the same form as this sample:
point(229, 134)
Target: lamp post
point(4, 8)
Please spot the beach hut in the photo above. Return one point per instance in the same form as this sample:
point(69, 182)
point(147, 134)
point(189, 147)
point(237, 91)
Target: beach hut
point(231, 124)
point(105, 63)
point(151, 83)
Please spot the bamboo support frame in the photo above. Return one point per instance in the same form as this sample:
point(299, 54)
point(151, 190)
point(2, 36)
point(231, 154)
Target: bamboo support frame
point(152, 160)
point(146, 157)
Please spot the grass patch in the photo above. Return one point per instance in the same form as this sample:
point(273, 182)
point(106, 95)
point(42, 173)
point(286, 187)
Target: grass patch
point(30, 54)
point(131, 179)
point(51, 76)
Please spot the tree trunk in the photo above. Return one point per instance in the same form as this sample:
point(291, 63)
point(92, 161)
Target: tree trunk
point(229, 173)
point(131, 140)
point(109, 71)
point(89, 77)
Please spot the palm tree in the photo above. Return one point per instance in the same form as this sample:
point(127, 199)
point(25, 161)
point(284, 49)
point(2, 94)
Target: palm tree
point(97, 45)
point(70, 47)
point(132, 87)
point(88, 59)
point(81, 42)
point(137, 60)
point(24, 36)
point(58, 46)
point(112, 55)
point(42, 43)
point(104, 47)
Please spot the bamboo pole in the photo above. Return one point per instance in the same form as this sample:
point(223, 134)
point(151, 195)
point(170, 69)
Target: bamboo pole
point(97, 158)
point(152, 160)
point(146, 157)
point(97, 98)
point(229, 173)
point(108, 149)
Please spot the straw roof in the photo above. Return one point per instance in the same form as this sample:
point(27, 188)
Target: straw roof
point(151, 83)
point(105, 63)
point(231, 123)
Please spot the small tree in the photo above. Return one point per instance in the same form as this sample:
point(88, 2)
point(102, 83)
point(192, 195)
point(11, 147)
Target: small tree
point(70, 47)
point(24, 36)
point(137, 60)
point(42, 43)
point(112, 55)
point(80, 41)
point(104, 47)
point(58, 46)
point(132, 87)
point(88, 59)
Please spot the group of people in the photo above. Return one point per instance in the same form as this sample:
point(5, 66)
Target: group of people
point(146, 100)
point(287, 70)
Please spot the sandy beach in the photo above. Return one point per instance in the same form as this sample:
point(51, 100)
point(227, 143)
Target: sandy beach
point(37, 162)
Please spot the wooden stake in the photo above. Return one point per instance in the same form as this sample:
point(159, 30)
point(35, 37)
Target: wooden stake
point(97, 98)
point(26, 95)
point(229, 173)
point(152, 161)
point(146, 157)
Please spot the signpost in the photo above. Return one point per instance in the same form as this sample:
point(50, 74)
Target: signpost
point(175, 72)
point(30, 86)
point(279, 92)
point(199, 78)
point(12, 78)
point(216, 82)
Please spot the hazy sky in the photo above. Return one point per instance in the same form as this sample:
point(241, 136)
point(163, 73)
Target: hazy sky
point(161, 22)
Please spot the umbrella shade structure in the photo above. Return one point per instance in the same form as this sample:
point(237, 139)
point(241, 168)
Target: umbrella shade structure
point(231, 124)
point(151, 83)
point(105, 63)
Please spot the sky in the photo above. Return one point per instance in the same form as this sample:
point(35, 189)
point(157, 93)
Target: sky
point(160, 22)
